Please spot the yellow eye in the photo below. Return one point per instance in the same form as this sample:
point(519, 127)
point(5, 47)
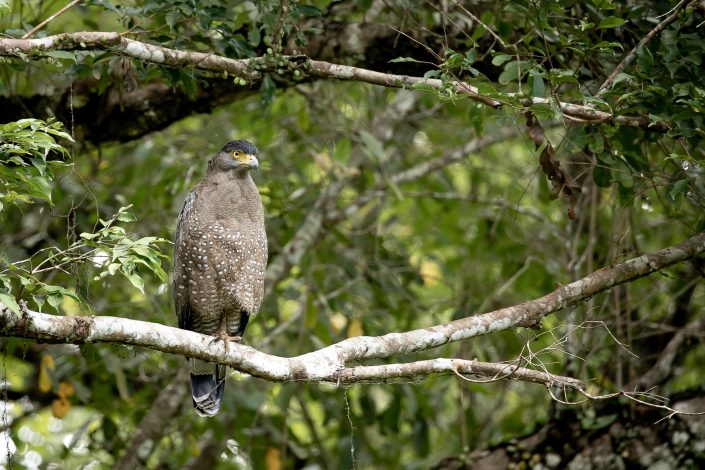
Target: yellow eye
point(236, 154)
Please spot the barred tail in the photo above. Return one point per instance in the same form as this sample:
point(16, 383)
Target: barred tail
point(207, 386)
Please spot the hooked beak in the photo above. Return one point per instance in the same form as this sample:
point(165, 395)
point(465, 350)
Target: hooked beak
point(251, 161)
point(247, 160)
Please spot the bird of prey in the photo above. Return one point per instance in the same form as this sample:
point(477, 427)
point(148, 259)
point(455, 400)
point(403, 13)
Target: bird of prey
point(220, 256)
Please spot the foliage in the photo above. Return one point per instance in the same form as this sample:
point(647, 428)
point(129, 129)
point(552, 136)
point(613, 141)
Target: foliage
point(26, 174)
point(475, 235)
point(25, 171)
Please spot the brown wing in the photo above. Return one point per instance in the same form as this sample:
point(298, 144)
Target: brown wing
point(182, 298)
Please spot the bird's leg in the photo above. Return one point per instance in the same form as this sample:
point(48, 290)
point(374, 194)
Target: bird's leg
point(222, 335)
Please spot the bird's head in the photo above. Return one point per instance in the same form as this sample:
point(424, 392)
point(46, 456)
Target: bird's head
point(238, 155)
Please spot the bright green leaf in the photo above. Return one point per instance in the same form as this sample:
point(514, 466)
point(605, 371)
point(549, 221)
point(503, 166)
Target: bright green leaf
point(10, 302)
point(611, 22)
point(66, 55)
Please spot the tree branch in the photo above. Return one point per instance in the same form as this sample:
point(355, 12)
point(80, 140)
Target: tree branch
point(51, 18)
point(461, 367)
point(329, 364)
point(279, 27)
point(251, 70)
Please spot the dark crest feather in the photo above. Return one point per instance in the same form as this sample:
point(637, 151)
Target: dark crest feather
point(241, 145)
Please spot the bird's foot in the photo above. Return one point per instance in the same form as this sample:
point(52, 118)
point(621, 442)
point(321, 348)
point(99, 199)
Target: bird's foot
point(222, 336)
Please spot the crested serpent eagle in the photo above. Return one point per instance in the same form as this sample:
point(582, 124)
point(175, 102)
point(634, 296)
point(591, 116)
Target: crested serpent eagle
point(220, 256)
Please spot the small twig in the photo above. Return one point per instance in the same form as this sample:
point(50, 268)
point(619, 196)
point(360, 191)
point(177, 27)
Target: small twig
point(279, 27)
point(629, 58)
point(352, 429)
point(487, 28)
point(634, 397)
point(51, 18)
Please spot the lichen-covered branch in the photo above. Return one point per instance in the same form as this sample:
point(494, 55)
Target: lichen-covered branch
point(250, 70)
point(330, 363)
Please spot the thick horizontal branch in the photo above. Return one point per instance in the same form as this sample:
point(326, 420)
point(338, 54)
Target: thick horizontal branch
point(329, 364)
point(120, 45)
point(121, 113)
point(251, 69)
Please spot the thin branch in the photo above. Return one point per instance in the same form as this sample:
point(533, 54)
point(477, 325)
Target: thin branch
point(485, 27)
point(460, 367)
point(421, 170)
point(329, 364)
point(251, 71)
point(629, 58)
point(643, 399)
point(279, 27)
point(51, 18)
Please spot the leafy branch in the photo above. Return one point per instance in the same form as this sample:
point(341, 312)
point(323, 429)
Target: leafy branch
point(248, 71)
point(118, 253)
point(110, 247)
point(26, 171)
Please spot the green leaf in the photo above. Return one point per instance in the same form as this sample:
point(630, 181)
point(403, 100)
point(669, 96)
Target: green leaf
point(514, 71)
point(307, 10)
point(342, 149)
point(602, 176)
point(136, 281)
point(404, 59)
point(500, 59)
point(113, 268)
point(611, 22)
point(10, 302)
point(679, 187)
point(40, 300)
point(65, 55)
point(55, 300)
point(126, 217)
point(423, 87)
point(536, 82)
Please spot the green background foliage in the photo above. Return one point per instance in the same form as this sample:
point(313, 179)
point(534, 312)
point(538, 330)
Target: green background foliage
point(78, 208)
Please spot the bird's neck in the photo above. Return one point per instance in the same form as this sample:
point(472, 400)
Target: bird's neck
point(233, 193)
point(218, 176)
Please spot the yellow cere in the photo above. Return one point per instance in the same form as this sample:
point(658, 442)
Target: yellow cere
point(241, 157)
